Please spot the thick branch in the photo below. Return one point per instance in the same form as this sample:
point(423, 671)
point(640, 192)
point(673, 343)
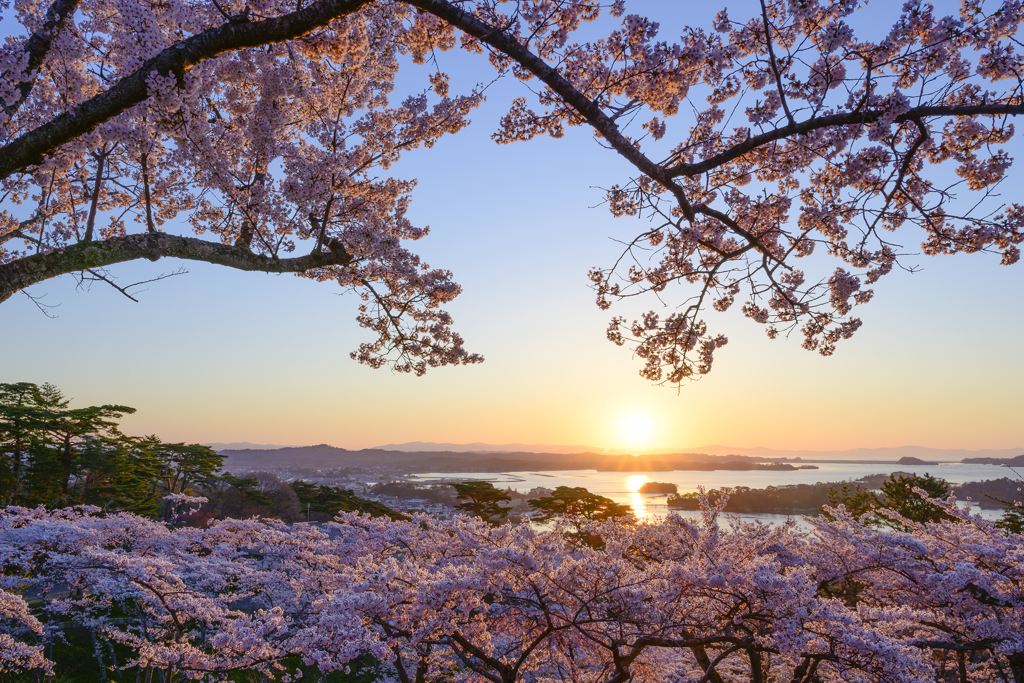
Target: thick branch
point(846, 119)
point(19, 274)
point(38, 45)
point(983, 644)
point(582, 104)
point(31, 148)
point(708, 666)
point(496, 664)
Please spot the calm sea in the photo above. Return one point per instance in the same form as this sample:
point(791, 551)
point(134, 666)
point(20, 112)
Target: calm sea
point(622, 487)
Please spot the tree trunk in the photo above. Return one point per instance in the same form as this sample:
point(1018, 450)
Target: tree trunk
point(67, 464)
point(701, 654)
point(98, 653)
point(756, 667)
point(17, 468)
point(1017, 666)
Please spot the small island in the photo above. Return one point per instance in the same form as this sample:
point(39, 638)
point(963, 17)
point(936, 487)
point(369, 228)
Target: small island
point(659, 487)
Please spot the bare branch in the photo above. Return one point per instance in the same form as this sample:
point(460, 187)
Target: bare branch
point(99, 276)
point(43, 307)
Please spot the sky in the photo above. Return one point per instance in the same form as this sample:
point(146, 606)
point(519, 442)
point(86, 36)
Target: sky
point(216, 355)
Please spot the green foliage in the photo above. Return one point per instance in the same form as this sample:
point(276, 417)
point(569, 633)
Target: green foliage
point(482, 500)
point(897, 494)
point(117, 476)
point(790, 499)
point(580, 504)
point(248, 486)
point(857, 500)
point(442, 493)
point(566, 500)
point(328, 501)
point(1012, 520)
point(55, 455)
point(181, 465)
point(78, 655)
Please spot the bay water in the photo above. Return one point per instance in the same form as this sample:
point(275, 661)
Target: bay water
point(623, 487)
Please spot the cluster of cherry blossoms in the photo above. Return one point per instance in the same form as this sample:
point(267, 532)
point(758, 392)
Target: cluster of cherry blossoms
point(843, 154)
point(460, 600)
point(270, 147)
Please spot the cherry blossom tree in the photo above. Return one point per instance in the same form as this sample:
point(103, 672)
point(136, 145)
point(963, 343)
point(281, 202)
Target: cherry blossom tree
point(265, 126)
point(462, 600)
point(757, 142)
point(796, 137)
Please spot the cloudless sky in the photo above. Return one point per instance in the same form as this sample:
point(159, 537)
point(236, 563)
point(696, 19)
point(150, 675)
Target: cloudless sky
point(218, 355)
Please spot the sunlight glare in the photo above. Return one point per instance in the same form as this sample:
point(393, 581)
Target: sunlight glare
point(636, 431)
point(634, 482)
point(636, 499)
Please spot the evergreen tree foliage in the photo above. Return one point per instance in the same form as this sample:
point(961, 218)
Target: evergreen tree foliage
point(578, 501)
point(325, 502)
point(483, 500)
point(898, 494)
point(54, 455)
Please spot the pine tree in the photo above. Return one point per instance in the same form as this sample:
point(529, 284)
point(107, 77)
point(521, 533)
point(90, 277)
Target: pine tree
point(482, 500)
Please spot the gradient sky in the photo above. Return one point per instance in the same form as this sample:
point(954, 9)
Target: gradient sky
point(220, 356)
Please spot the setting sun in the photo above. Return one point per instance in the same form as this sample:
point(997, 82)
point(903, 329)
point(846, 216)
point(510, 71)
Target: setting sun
point(636, 431)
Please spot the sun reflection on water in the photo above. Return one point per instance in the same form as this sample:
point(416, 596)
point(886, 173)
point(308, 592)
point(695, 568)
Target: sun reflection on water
point(636, 499)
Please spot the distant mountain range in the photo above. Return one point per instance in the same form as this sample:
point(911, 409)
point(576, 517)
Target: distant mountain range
point(928, 454)
point(887, 454)
point(477, 447)
point(244, 445)
point(330, 457)
point(479, 458)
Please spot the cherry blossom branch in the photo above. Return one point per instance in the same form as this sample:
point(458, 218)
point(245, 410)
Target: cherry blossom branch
point(752, 240)
point(711, 674)
point(466, 648)
point(36, 48)
point(22, 273)
point(834, 120)
point(549, 75)
point(41, 305)
point(983, 644)
point(898, 185)
point(775, 64)
point(18, 231)
point(34, 146)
